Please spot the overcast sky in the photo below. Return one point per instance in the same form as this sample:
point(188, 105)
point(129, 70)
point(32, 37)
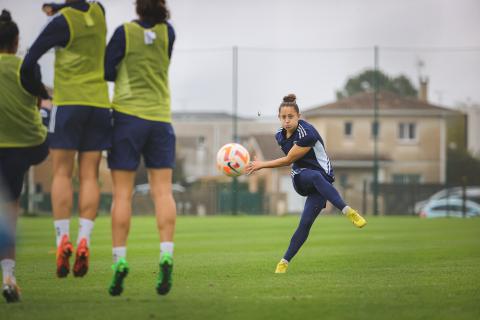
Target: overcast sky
point(308, 47)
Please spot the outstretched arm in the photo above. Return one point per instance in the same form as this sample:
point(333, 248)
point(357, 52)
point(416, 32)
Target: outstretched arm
point(293, 155)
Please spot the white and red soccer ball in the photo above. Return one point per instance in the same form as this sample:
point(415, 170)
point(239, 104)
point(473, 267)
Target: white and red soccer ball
point(232, 159)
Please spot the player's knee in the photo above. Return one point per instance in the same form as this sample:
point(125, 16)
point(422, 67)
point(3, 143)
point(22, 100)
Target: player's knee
point(122, 196)
point(88, 176)
point(161, 194)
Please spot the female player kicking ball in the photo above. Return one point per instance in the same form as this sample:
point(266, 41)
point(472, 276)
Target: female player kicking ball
point(137, 59)
point(22, 142)
point(312, 173)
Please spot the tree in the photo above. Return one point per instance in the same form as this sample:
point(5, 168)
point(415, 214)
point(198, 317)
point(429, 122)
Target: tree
point(365, 82)
point(462, 165)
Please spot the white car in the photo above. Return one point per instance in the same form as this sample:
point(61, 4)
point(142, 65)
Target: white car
point(471, 193)
point(450, 207)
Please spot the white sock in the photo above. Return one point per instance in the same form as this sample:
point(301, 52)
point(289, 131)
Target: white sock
point(345, 210)
point(166, 247)
point(283, 260)
point(62, 227)
point(8, 270)
point(85, 227)
point(118, 253)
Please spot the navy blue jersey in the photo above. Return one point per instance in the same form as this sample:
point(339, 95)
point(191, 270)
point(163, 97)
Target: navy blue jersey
point(116, 48)
point(316, 158)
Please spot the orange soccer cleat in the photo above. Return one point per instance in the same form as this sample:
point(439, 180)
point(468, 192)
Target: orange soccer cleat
point(80, 268)
point(64, 251)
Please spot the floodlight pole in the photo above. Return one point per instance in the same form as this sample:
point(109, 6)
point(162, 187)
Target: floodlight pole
point(375, 133)
point(235, 122)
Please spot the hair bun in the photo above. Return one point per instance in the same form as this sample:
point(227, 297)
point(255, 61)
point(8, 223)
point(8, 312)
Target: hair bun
point(290, 98)
point(5, 17)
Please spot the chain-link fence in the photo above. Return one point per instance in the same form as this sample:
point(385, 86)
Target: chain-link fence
point(215, 90)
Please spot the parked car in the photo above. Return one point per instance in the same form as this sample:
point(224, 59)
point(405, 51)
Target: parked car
point(450, 207)
point(145, 188)
point(472, 193)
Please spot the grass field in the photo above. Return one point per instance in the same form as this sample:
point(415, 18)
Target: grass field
point(395, 268)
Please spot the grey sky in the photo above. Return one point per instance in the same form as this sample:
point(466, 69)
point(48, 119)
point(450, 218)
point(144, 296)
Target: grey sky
point(206, 30)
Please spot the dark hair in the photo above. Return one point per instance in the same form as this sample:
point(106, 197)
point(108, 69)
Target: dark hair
point(289, 101)
point(8, 31)
point(153, 11)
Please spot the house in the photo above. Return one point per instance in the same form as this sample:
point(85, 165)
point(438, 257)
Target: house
point(411, 141)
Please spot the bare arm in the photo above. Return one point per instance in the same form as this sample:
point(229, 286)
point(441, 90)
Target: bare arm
point(293, 155)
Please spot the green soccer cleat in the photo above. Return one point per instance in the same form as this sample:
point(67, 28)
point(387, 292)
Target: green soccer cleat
point(120, 270)
point(164, 282)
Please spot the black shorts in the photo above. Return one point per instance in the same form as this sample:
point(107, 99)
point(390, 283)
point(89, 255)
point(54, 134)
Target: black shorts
point(14, 163)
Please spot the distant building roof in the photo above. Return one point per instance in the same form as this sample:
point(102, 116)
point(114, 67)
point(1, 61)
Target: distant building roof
point(388, 102)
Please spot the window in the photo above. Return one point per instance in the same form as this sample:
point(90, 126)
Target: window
point(406, 178)
point(348, 129)
point(407, 131)
point(448, 208)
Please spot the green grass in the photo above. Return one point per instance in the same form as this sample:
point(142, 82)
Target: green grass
point(395, 268)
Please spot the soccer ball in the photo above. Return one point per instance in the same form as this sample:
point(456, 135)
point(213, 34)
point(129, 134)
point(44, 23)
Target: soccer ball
point(232, 159)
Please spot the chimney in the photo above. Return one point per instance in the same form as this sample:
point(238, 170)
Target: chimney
point(423, 90)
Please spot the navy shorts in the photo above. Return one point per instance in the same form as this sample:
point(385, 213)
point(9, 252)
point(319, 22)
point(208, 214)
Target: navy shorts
point(14, 163)
point(81, 128)
point(303, 181)
point(133, 137)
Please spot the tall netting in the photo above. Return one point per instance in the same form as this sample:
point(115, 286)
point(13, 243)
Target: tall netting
point(421, 136)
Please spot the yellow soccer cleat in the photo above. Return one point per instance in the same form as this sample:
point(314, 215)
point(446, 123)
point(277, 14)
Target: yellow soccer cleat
point(282, 267)
point(356, 218)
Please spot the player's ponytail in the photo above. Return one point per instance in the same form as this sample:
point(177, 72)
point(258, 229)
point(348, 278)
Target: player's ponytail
point(289, 101)
point(8, 31)
point(153, 11)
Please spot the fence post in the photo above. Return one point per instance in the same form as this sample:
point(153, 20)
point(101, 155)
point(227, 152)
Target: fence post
point(448, 202)
point(364, 197)
point(412, 197)
point(464, 196)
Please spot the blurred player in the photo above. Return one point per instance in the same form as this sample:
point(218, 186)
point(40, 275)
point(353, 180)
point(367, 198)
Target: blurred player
point(80, 124)
point(22, 143)
point(312, 173)
point(138, 58)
